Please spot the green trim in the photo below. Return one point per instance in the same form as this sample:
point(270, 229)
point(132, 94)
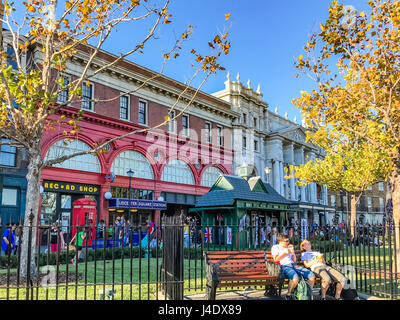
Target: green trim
point(221, 184)
point(256, 185)
point(209, 208)
point(248, 204)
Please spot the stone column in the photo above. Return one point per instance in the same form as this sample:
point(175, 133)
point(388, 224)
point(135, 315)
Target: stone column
point(299, 159)
point(313, 185)
point(276, 175)
point(281, 177)
point(274, 152)
point(290, 159)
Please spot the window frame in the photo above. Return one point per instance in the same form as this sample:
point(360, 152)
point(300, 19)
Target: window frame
point(146, 118)
point(244, 140)
point(208, 132)
point(16, 197)
point(369, 202)
point(7, 152)
point(220, 136)
point(333, 203)
point(68, 78)
point(128, 107)
point(185, 132)
point(172, 123)
point(91, 84)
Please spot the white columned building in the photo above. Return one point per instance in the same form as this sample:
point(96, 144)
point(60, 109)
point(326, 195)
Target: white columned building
point(263, 138)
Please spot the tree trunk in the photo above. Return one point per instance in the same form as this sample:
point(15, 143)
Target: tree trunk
point(395, 184)
point(353, 215)
point(32, 204)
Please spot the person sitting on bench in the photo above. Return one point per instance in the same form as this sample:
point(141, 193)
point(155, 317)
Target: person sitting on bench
point(315, 261)
point(283, 254)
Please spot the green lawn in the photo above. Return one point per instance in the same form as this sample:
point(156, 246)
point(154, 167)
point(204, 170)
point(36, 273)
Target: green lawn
point(138, 281)
point(137, 278)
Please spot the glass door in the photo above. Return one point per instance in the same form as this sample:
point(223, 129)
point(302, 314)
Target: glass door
point(66, 215)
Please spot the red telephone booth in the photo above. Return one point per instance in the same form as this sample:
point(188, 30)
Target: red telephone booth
point(84, 214)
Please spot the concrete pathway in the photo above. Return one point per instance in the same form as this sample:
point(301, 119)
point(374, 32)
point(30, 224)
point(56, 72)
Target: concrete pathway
point(247, 294)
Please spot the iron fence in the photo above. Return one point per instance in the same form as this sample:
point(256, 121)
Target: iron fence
point(85, 262)
point(367, 254)
point(165, 261)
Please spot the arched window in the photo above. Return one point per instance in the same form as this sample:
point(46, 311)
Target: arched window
point(209, 176)
point(86, 162)
point(132, 160)
point(177, 171)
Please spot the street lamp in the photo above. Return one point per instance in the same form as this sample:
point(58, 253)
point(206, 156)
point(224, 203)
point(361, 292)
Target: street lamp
point(130, 175)
point(267, 171)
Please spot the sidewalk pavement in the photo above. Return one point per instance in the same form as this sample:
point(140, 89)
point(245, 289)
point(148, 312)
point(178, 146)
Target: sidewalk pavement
point(253, 294)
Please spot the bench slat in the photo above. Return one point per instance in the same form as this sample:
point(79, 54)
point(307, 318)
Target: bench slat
point(231, 261)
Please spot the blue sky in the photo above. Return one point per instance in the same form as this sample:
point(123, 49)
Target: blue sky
point(266, 37)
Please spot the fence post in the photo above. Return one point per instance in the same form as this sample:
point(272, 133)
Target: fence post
point(28, 275)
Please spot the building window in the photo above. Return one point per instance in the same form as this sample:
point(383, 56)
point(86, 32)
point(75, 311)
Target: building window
point(172, 123)
point(8, 154)
point(369, 202)
point(369, 188)
point(244, 141)
point(11, 58)
point(124, 107)
point(333, 200)
point(63, 95)
point(244, 118)
point(220, 136)
point(381, 205)
point(118, 192)
point(86, 162)
point(132, 160)
point(380, 186)
point(255, 122)
point(209, 176)
point(9, 197)
point(142, 113)
point(185, 125)
point(345, 200)
point(177, 171)
point(208, 132)
point(255, 145)
point(87, 96)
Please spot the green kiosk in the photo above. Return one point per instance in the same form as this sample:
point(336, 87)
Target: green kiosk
point(237, 211)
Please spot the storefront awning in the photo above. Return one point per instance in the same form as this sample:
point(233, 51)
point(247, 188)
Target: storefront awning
point(237, 192)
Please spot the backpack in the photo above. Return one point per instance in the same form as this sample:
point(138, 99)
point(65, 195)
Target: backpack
point(302, 291)
point(349, 293)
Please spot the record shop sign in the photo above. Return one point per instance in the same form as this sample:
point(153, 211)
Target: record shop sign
point(137, 204)
point(67, 187)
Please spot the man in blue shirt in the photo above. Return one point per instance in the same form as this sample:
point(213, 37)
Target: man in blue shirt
point(8, 243)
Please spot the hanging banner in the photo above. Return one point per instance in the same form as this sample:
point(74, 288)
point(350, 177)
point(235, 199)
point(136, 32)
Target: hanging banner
point(208, 235)
point(304, 229)
point(228, 235)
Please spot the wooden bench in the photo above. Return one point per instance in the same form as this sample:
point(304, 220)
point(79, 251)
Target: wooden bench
point(241, 269)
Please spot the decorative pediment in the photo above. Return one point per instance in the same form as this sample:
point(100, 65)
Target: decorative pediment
point(296, 134)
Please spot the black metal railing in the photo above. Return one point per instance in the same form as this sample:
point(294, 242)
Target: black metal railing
point(126, 264)
point(367, 253)
point(165, 260)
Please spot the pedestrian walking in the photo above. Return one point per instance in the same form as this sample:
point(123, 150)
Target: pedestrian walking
point(8, 242)
point(78, 237)
point(56, 238)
